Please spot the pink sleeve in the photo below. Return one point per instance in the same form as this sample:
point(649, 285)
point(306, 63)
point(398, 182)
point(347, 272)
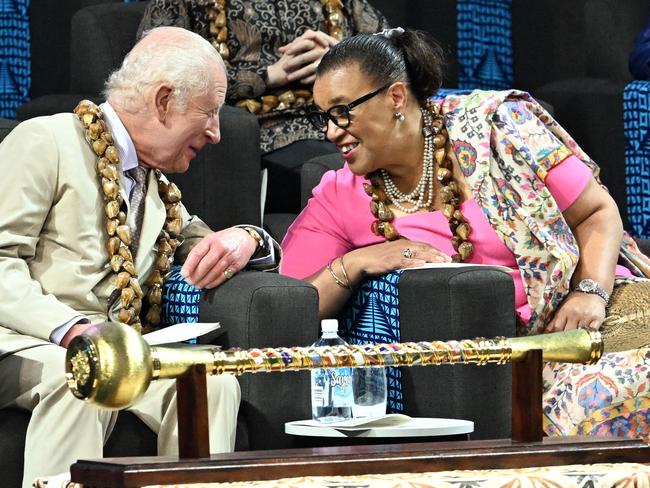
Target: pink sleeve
point(317, 236)
point(567, 180)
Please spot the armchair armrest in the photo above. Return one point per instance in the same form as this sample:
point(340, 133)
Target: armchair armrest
point(259, 309)
point(458, 303)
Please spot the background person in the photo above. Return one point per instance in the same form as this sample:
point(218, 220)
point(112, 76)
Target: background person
point(271, 51)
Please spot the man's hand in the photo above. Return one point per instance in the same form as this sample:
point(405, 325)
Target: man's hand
point(299, 59)
point(74, 331)
point(228, 249)
point(578, 311)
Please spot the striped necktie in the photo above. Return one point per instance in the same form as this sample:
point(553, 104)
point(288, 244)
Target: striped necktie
point(136, 208)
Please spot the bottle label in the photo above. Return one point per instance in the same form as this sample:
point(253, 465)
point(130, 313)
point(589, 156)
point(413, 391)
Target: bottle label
point(341, 383)
point(332, 388)
point(317, 393)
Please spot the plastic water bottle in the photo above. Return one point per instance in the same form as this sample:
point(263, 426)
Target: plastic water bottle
point(369, 391)
point(331, 389)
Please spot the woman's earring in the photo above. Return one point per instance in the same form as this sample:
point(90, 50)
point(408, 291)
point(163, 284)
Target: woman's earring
point(399, 116)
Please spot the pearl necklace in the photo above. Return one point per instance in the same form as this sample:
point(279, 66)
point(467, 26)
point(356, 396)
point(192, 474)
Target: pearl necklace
point(424, 186)
point(434, 130)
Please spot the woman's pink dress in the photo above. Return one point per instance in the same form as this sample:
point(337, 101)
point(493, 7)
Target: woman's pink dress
point(337, 220)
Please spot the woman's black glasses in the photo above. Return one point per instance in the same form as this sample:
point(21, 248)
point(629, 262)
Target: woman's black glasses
point(339, 114)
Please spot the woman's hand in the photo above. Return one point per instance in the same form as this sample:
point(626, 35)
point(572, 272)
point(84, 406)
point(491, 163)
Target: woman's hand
point(578, 311)
point(351, 268)
point(389, 256)
point(299, 59)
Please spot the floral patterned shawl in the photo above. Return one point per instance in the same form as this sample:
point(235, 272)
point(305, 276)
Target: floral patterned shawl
point(506, 143)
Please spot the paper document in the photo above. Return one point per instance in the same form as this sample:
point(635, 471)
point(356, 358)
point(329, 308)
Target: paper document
point(458, 265)
point(179, 333)
point(387, 420)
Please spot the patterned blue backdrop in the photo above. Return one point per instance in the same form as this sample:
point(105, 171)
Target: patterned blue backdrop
point(15, 67)
point(15, 71)
point(636, 118)
point(484, 44)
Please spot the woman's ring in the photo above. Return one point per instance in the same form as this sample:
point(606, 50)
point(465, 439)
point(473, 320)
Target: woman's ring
point(228, 273)
point(407, 253)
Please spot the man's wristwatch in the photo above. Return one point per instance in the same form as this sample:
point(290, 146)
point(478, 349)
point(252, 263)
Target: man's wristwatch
point(590, 286)
point(255, 235)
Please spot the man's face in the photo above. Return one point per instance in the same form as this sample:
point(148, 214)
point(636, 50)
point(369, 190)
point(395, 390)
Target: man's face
point(183, 134)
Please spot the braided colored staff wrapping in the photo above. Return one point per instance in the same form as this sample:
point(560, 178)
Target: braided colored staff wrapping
point(478, 351)
point(111, 365)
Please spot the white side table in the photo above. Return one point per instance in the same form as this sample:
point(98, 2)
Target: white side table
point(413, 431)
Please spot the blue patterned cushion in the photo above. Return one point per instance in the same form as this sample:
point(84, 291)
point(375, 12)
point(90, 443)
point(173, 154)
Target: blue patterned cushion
point(180, 301)
point(636, 121)
point(372, 317)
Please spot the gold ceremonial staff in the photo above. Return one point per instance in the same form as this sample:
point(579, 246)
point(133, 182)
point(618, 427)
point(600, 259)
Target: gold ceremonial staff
point(112, 365)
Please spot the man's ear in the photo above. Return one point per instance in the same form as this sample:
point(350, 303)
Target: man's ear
point(163, 102)
point(398, 95)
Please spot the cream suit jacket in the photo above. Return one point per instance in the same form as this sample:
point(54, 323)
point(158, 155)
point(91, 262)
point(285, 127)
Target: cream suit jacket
point(53, 258)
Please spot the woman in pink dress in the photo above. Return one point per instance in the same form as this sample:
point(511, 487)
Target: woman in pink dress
point(486, 178)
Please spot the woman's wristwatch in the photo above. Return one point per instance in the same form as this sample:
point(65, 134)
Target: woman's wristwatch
point(590, 286)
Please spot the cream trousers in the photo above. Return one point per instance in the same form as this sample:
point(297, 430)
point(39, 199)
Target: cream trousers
point(64, 429)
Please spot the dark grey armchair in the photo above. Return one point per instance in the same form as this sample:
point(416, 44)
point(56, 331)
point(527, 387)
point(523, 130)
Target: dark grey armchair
point(255, 309)
point(453, 304)
point(447, 304)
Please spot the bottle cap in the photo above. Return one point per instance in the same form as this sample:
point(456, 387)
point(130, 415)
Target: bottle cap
point(330, 325)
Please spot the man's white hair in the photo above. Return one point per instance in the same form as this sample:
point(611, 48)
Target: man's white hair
point(183, 60)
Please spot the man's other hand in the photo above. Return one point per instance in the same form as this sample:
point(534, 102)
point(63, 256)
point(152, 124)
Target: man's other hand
point(74, 331)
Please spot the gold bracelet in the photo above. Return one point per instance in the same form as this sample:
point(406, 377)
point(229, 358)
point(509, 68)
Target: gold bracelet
point(345, 273)
point(338, 280)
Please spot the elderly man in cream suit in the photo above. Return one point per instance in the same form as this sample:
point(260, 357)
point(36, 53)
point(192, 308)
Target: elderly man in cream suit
point(162, 107)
